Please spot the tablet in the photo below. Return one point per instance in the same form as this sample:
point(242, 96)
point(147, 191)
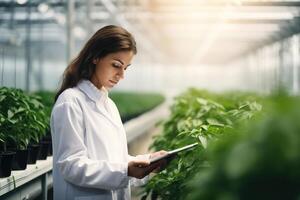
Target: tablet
point(173, 152)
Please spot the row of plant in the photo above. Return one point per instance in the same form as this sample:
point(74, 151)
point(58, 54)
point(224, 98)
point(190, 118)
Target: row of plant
point(23, 124)
point(260, 159)
point(130, 104)
point(249, 148)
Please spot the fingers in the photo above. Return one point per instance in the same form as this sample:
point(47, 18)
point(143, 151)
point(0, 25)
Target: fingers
point(162, 164)
point(152, 167)
point(158, 166)
point(158, 153)
point(141, 163)
point(162, 152)
point(141, 168)
point(137, 168)
point(158, 169)
point(144, 171)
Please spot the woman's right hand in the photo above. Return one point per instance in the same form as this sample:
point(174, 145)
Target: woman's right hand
point(141, 168)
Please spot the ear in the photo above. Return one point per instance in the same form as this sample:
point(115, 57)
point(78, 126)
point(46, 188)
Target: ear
point(95, 61)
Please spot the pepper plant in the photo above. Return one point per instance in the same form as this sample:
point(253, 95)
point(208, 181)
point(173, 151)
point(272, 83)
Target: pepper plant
point(196, 116)
point(258, 160)
point(22, 117)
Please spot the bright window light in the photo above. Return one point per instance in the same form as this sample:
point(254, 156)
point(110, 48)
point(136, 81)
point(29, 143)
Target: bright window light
point(21, 1)
point(43, 7)
point(79, 32)
point(60, 18)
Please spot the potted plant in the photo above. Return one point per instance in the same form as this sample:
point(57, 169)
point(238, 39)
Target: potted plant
point(6, 157)
point(25, 122)
point(38, 130)
point(47, 98)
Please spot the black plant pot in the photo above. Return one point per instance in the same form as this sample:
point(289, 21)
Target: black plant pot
point(50, 149)
point(48, 138)
point(2, 147)
point(20, 161)
point(44, 149)
point(33, 153)
point(6, 159)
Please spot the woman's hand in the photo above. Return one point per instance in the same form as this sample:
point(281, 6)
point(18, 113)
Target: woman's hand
point(140, 168)
point(162, 164)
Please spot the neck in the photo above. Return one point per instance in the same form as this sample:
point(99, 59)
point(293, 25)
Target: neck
point(96, 82)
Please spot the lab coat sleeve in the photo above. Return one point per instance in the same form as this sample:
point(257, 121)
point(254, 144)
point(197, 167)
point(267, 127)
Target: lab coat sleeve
point(135, 182)
point(71, 153)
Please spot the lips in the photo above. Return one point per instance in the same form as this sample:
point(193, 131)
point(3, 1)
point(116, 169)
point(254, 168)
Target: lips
point(114, 82)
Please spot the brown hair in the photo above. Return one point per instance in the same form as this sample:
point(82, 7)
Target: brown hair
point(109, 39)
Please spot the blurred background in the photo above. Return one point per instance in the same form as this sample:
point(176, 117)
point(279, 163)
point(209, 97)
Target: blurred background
point(236, 54)
point(216, 44)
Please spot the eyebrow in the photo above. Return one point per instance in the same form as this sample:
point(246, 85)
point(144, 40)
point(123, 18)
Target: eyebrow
point(121, 61)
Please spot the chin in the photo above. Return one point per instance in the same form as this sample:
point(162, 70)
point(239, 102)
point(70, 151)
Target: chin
point(109, 87)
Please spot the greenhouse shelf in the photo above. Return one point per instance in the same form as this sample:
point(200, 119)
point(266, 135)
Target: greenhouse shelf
point(26, 184)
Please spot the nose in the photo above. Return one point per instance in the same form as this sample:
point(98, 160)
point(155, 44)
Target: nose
point(121, 73)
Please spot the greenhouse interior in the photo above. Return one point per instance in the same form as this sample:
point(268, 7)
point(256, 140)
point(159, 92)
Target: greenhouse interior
point(207, 109)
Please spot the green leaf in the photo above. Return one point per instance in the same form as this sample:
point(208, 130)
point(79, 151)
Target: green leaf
point(214, 122)
point(204, 127)
point(2, 97)
point(203, 141)
point(201, 101)
point(10, 114)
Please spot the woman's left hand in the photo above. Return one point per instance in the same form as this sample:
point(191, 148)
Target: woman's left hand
point(162, 164)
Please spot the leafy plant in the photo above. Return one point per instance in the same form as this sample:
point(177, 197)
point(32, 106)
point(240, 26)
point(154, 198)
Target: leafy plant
point(132, 104)
point(258, 160)
point(22, 117)
point(47, 99)
point(196, 116)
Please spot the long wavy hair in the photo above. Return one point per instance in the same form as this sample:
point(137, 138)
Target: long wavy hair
point(109, 39)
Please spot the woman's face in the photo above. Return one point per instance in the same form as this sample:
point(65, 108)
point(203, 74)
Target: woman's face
point(110, 69)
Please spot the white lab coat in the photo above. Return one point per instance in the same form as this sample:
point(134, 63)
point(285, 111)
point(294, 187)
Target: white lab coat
point(90, 156)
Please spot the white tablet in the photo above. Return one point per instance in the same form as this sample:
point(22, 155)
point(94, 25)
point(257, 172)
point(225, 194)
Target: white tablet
point(173, 152)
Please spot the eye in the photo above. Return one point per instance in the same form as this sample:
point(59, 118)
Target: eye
point(116, 65)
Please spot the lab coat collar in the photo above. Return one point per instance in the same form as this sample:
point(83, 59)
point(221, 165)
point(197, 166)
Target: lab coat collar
point(99, 97)
point(92, 91)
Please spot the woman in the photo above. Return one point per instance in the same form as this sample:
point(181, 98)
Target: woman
point(90, 157)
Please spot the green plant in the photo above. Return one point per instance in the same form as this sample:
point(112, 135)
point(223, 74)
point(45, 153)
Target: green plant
point(22, 117)
point(47, 99)
point(132, 104)
point(196, 115)
point(258, 160)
